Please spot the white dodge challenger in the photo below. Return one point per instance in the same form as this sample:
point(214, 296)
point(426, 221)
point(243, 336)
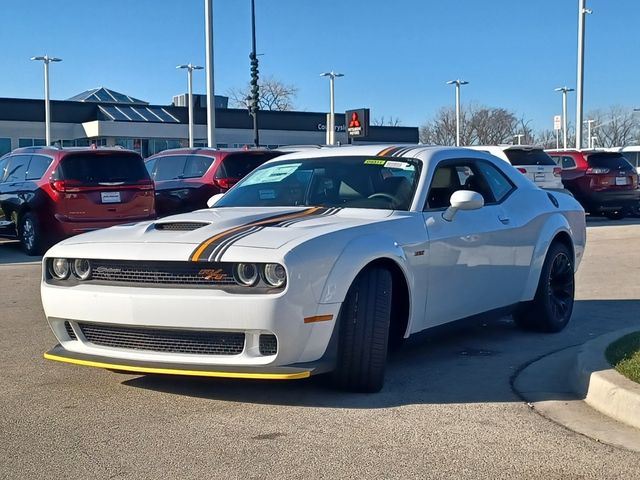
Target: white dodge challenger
point(317, 262)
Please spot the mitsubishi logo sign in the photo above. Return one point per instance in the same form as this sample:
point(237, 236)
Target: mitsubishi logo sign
point(357, 122)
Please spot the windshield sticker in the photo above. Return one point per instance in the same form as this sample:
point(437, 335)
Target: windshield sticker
point(267, 194)
point(374, 161)
point(395, 164)
point(276, 173)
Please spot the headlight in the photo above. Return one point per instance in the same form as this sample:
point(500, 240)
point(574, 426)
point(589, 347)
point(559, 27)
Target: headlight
point(246, 274)
point(59, 268)
point(82, 268)
point(274, 274)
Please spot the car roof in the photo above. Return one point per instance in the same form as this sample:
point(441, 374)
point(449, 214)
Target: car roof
point(212, 152)
point(66, 150)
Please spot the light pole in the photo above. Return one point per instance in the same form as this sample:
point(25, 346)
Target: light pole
point(332, 114)
point(582, 11)
point(519, 137)
point(564, 91)
point(457, 83)
point(211, 99)
point(47, 111)
point(190, 68)
point(254, 98)
point(589, 138)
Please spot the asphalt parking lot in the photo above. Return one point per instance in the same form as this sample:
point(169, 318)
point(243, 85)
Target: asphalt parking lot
point(447, 409)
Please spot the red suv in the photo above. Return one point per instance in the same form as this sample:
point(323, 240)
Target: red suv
point(186, 178)
point(47, 193)
point(603, 182)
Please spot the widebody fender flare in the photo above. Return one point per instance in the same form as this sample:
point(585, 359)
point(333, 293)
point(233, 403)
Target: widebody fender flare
point(555, 225)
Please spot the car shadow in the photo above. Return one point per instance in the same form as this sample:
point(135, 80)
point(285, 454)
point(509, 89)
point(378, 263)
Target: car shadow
point(473, 364)
point(10, 252)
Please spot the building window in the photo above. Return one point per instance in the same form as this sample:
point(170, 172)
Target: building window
point(5, 146)
point(31, 142)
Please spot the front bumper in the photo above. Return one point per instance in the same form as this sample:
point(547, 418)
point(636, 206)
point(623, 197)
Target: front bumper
point(59, 354)
point(191, 311)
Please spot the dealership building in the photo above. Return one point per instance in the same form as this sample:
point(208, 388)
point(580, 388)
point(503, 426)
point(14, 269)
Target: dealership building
point(107, 118)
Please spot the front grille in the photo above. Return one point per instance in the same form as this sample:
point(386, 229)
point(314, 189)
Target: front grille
point(162, 273)
point(268, 344)
point(180, 226)
point(161, 340)
point(70, 332)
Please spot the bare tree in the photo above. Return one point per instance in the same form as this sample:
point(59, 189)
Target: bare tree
point(615, 127)
point(274, 95)
point(479, 125)
point(383, 122)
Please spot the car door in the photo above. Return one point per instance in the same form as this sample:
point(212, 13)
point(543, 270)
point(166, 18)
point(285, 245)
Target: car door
point(6, 225)
point(472, 260)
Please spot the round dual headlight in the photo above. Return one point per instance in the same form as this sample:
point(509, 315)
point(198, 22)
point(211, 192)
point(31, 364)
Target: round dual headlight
point(274, 274)
point(246, 274)
point(59, 268)
point(82, 268)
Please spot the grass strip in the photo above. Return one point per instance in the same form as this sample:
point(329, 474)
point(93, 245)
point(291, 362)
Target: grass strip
point(624, 356)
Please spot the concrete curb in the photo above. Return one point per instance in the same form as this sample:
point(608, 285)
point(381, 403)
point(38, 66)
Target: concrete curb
point(602, 387)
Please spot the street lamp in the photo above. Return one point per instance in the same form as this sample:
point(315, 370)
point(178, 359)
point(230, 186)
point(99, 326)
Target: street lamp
point(564, 91)
point(190, 68)
point(254, 98)
point(582, 11)
point(211, 99)
point(47, 112)
point(332, 114)
point(519, 137)
point(457, 83)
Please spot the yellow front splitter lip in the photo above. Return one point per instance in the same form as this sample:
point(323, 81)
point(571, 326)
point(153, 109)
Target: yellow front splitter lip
point(74, 359)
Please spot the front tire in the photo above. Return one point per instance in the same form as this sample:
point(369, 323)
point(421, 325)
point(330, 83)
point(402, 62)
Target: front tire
point(30, 235)
point(364, 332)
point(551, 308)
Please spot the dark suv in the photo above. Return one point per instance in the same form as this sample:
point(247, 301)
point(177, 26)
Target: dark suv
point(603, 182)
point(47, 194)
point(186, 178)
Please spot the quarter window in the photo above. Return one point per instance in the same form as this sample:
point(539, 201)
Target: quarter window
point(37, 167)
point(497, 182)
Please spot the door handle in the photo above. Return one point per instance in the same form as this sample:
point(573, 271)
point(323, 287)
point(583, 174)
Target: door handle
point(504, 219)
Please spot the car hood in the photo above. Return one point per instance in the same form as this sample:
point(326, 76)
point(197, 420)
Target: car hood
point(207, 233)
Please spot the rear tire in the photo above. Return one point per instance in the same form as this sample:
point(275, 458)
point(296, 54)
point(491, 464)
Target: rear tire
point(551, 308)
point(30, 235)
point(364, 332)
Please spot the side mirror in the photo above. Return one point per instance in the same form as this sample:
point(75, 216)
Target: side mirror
point(463, 200)
point(213, 200)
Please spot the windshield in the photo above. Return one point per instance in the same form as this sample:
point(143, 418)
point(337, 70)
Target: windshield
point(352, 182)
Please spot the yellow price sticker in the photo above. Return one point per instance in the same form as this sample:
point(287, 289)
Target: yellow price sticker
point(374, 161)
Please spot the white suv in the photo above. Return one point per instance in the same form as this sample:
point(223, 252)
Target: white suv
point(532, 162)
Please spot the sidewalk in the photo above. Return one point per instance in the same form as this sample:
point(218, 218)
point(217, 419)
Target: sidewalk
point(577, 388)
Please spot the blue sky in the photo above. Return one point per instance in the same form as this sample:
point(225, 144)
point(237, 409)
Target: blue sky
point(396, 55)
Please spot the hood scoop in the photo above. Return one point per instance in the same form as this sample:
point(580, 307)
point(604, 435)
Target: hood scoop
point(180, 226)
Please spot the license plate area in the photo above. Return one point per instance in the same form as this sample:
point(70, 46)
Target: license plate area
point(110, 197)
point(539, 177)
point(622, 181)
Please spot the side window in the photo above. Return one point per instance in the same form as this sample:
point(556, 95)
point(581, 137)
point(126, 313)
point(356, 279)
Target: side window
point(448, 177)
point(196, 166)
point(17, 168)
point(150, 165)
point(496, 181)
point(568, 162)
point(37, 166)
point(170, 167)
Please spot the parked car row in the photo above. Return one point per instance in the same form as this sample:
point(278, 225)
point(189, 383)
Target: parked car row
point(47, 193)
